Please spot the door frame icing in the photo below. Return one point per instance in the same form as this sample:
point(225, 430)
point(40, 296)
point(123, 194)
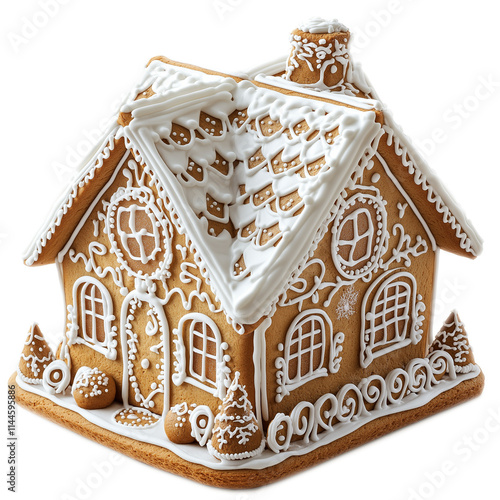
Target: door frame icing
point(145, 294)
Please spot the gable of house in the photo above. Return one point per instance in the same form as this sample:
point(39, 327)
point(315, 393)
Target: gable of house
point(137, 303)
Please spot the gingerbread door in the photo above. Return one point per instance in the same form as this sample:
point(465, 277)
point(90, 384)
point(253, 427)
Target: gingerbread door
point(144, 330)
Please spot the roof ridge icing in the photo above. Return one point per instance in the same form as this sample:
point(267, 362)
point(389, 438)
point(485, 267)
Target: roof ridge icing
point(252, 172)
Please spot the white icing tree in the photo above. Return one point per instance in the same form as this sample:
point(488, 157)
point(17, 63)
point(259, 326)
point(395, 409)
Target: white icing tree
point(236, 432)
point(36, 356)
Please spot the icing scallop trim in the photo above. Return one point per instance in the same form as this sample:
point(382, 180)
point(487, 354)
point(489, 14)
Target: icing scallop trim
point(437, 194)
point(196, 454)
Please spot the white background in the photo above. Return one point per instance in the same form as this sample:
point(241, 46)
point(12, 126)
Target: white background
point(429, 60)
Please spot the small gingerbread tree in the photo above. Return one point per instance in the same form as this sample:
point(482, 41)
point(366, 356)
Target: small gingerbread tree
point(236, 432)
point(453, 339)
point(36, 356)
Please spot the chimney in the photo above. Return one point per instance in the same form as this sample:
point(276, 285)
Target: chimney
point(319, 56)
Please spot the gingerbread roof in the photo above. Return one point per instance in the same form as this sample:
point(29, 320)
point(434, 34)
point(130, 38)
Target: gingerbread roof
point(252, 171)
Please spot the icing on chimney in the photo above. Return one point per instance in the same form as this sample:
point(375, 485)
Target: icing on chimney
point(319, 57)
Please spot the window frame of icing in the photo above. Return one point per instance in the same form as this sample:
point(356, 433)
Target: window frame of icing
point(287, 385)
point(183, 354)
point(78, 334)
point(413, 327)
point(144, 199)
point(125, 236)
point(378, 241)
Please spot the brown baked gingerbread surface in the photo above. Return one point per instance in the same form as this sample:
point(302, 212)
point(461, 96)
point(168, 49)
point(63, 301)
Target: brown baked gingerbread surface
point(168, 461)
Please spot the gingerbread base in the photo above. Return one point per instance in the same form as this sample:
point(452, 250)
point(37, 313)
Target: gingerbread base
point(164, 459)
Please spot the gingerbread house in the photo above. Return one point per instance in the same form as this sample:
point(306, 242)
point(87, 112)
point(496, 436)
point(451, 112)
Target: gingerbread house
point(252, 261)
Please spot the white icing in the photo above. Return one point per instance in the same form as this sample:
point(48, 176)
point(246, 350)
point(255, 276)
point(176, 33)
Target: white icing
point(180, 95)
point(90, 378)
point(336, 348)
point(236, 456)
point(306, 337)
point(459, 348)
point(36, 362)
point(202, 423)
point(321, 25)
point(235, 424)
point(89, 297)
point(260, 372)
point(269, 68)
point(137, 301)
point(135, 417)
point(56, 377)
point(391, 299)
point(330, 413)
point(403, 250)
point(121, 236)
point(329, 55)
point(200, 455)
point(183, 364)
point(357, 77)
point(90, 166)
point(437, 194)
point(424, 176)
point(94, 203)
point(375, 237)
point(345, 307)
point(245, 299)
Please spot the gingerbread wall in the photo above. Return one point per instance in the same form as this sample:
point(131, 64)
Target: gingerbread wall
point(397, 258)
point(169, 303)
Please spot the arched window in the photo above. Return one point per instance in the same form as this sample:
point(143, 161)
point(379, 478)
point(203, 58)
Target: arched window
point(204, 346)
point(305, 348)
point(390, 315)
point(303, 351)
point(93, 314)
point(199, 354)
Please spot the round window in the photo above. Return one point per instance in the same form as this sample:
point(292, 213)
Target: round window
point(359, 235)
point(139, 234)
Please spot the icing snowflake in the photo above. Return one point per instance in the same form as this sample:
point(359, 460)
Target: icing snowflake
point(345, 307)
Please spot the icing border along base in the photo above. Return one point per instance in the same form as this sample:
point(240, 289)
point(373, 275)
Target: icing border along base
point(447, 392)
